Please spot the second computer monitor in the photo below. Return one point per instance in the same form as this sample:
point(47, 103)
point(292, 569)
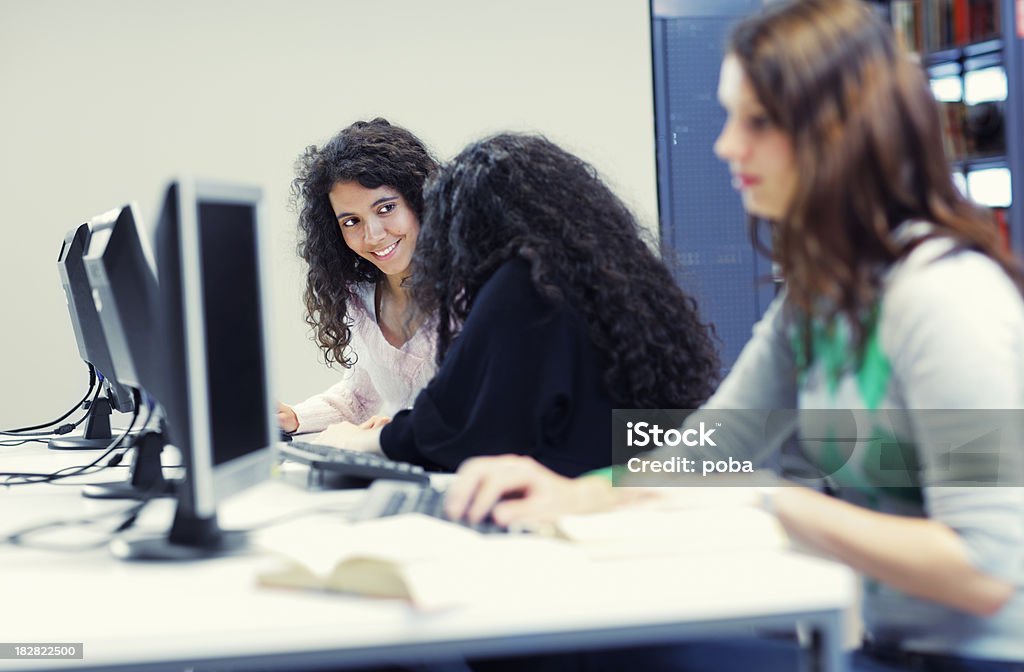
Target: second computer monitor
point(122, 275)
point(212, 324)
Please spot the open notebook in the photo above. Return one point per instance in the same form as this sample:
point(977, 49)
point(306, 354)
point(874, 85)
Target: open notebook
point(434, 564)
point(431, 563)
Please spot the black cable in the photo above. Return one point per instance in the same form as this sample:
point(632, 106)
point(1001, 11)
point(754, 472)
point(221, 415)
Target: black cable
point(8, 444)
point(18, 538)
point(54, 476)
point(132, 513)
point(116, 459)
point(131, 516)
point(114, 445)
point(30, 478)
point(66, 428)
point(92, 384)
point(15, 435)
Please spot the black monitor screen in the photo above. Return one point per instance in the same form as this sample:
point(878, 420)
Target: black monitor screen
point(234, 360)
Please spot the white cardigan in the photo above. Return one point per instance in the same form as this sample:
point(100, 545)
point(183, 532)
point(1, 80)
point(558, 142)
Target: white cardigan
point(384, 379)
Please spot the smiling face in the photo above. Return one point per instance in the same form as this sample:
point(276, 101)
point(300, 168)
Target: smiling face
point(759, 154)
point(377, 224)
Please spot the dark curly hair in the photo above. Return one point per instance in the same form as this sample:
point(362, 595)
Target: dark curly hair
point(374, 154)
point(522, 196)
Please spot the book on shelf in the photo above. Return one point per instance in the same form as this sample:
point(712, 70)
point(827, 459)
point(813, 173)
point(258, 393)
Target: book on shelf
point(953, 117)
point(904, 14)
point(1001, 216)
point(946, 25)
point(926, 26)
point(930, 32)
point(961, 21)
point(984, 20)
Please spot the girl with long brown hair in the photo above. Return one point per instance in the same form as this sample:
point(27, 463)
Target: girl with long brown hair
point(901, 310)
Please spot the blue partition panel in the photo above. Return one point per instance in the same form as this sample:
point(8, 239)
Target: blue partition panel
point(703, 226)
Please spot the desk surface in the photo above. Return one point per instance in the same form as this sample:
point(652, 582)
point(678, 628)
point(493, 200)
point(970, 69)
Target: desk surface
point(212, 613)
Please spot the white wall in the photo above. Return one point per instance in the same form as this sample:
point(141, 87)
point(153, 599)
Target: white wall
point(101, 101)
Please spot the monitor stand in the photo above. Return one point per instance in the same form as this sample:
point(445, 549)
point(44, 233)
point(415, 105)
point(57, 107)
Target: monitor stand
point(190, 538)
point(97, 429)
point(146, 478)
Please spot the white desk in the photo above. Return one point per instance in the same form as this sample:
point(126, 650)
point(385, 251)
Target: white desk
point(212, 615)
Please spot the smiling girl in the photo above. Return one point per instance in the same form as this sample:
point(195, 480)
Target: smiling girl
point(359, 199)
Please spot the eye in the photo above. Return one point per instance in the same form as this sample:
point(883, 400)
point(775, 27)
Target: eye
point(348, 223)
point(759, 122)
point(387, 207)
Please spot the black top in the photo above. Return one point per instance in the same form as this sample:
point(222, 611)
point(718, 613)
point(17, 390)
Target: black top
point(522, 377)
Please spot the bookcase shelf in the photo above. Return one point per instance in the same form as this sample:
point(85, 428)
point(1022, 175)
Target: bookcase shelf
point(972, 54)
point(935, 26)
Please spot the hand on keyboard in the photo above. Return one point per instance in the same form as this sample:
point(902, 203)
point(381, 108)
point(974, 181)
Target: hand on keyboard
point(391, 498)
point(358, 468)
point(375, 421)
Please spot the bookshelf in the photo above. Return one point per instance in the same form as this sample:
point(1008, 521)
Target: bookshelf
point(971, 50)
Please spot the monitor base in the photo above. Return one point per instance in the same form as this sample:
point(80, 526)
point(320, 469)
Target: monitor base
point(125, 490)
point(160, 548)
point(97, 430)
point(191, 537)
point(146, 479)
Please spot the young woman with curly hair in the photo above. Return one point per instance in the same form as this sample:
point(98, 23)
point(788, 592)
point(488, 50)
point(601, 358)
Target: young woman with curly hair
point(359, 199)
point(898, 333)
point(552, 311)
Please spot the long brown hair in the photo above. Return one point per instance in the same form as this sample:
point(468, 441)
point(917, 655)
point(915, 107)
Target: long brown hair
point(373, 153)
point(868, 151)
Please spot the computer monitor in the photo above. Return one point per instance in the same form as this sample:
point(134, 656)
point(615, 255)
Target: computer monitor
point(122, 279)
point(92, 343)
point(215, 386)
point(122, 275)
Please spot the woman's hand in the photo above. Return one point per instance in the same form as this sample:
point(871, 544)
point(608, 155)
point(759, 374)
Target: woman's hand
point(351, 437)
point(375, 421)
point(536, 493)
point(286, 417)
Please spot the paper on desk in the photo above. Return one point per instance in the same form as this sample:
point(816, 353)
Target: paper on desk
point(702, 497)
point(639, 532)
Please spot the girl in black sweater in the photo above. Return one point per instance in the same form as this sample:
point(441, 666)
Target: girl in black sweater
point(552, 312)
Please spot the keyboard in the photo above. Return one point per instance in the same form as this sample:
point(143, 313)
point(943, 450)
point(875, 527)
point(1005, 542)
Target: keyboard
point(331, 467)
point(391, 498)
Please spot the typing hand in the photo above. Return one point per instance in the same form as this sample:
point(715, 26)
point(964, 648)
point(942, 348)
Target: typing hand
point(286, 417)
point(350, 437)
point(533, 493)
point(375, 421)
